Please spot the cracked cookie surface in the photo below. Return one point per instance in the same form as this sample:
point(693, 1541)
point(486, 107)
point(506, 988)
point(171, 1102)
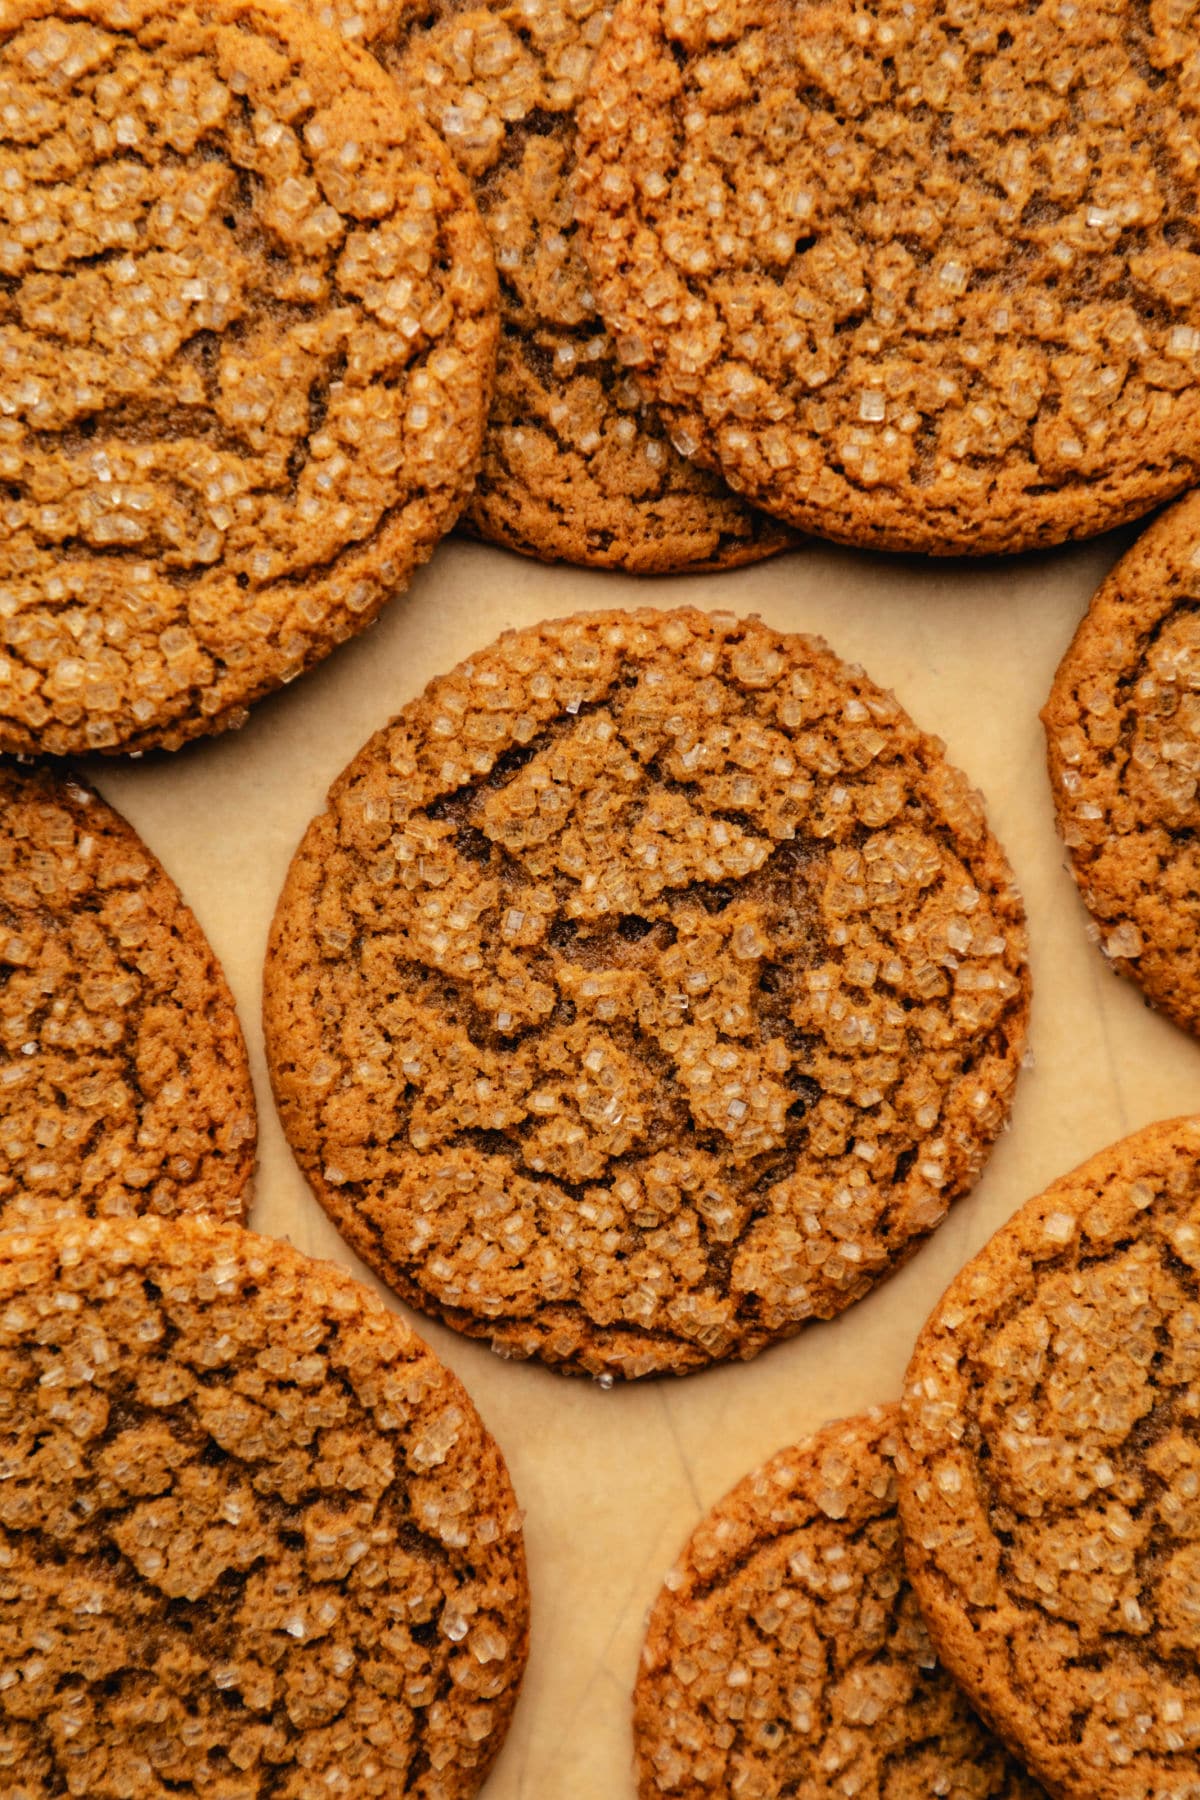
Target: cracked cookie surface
point(649, 986)
point(248, 329)
point(1123, 743)
point(255, 1541)
point(1050, 1473)
point(124, 1084)
point(923, 276)
point(786, 1654)
point(576, 465)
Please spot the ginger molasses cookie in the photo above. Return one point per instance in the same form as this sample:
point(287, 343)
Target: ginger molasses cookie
point(256, 1541)
point(248, 334)
point(786, 1654)
point(576, 465)
point(920, 276)
point(649, 986)
point(1049, 1481)
point(1123, 737)
point(124, 1085)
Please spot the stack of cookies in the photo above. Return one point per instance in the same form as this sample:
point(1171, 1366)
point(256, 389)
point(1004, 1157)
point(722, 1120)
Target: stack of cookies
point(650, 986)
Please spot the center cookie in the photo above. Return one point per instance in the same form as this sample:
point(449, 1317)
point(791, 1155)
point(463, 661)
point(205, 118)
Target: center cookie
point(909, 274)
point(650, 986)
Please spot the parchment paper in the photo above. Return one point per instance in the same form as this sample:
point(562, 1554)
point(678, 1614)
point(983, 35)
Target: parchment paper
point(612, 1482)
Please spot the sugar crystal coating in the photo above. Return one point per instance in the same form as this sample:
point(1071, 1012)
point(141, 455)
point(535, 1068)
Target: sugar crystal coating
point(786, 1655)
point(1123, 738)
point(576, 465)
point(1050, 1474)
point(923, 274)
point(124, 1085)
point(247, 340)
point(649, 986)
point(254, 1542)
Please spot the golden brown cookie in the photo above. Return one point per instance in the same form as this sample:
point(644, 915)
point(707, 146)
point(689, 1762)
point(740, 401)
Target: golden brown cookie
point(650, 986)
point(1049, 1479)
point(124, 1085)
point(1123, 739)
point(248, 331)
point(256, 1543)
point(923, 276)
point(786, 1656)
point(576, 466)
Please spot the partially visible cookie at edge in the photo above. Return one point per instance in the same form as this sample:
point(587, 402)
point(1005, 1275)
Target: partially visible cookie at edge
point(577, 466)
point(124, 1083)
point(786, 1654)
point(1050, 1470)
point(649, 987)
point(912, 280)
point(249, 330)
point(256, 1541)
point(1123, 745)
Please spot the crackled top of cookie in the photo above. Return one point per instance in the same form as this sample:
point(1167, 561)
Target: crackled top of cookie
point(254, 1538)
point(649, 986)
point(575, 465)
point(124, 1086)
point(923, 276)
point(246, 346)
point(1052, 1467)
point(1123, 736)
point(786, 1654)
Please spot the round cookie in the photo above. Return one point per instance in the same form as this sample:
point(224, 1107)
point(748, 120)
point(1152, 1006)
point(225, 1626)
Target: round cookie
point(576, 466)
point(256, 1542)
point(124, 1084)
point(649, 986)
point(248, 330)
point(1050, 1472)
point(786, 1654)
point(917, 276)
point(1123, 741)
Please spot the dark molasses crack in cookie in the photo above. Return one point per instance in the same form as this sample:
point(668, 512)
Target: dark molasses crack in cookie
point(577, 466)
point(649, 986)
point(1123, 740)
point(786, 1654)
point(247, 343)
point(124, 1085)
point(922, 275)
point(255, 1541)
point(1051, 1468)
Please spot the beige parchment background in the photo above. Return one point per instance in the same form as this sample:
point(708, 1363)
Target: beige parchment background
point(612, 1482)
